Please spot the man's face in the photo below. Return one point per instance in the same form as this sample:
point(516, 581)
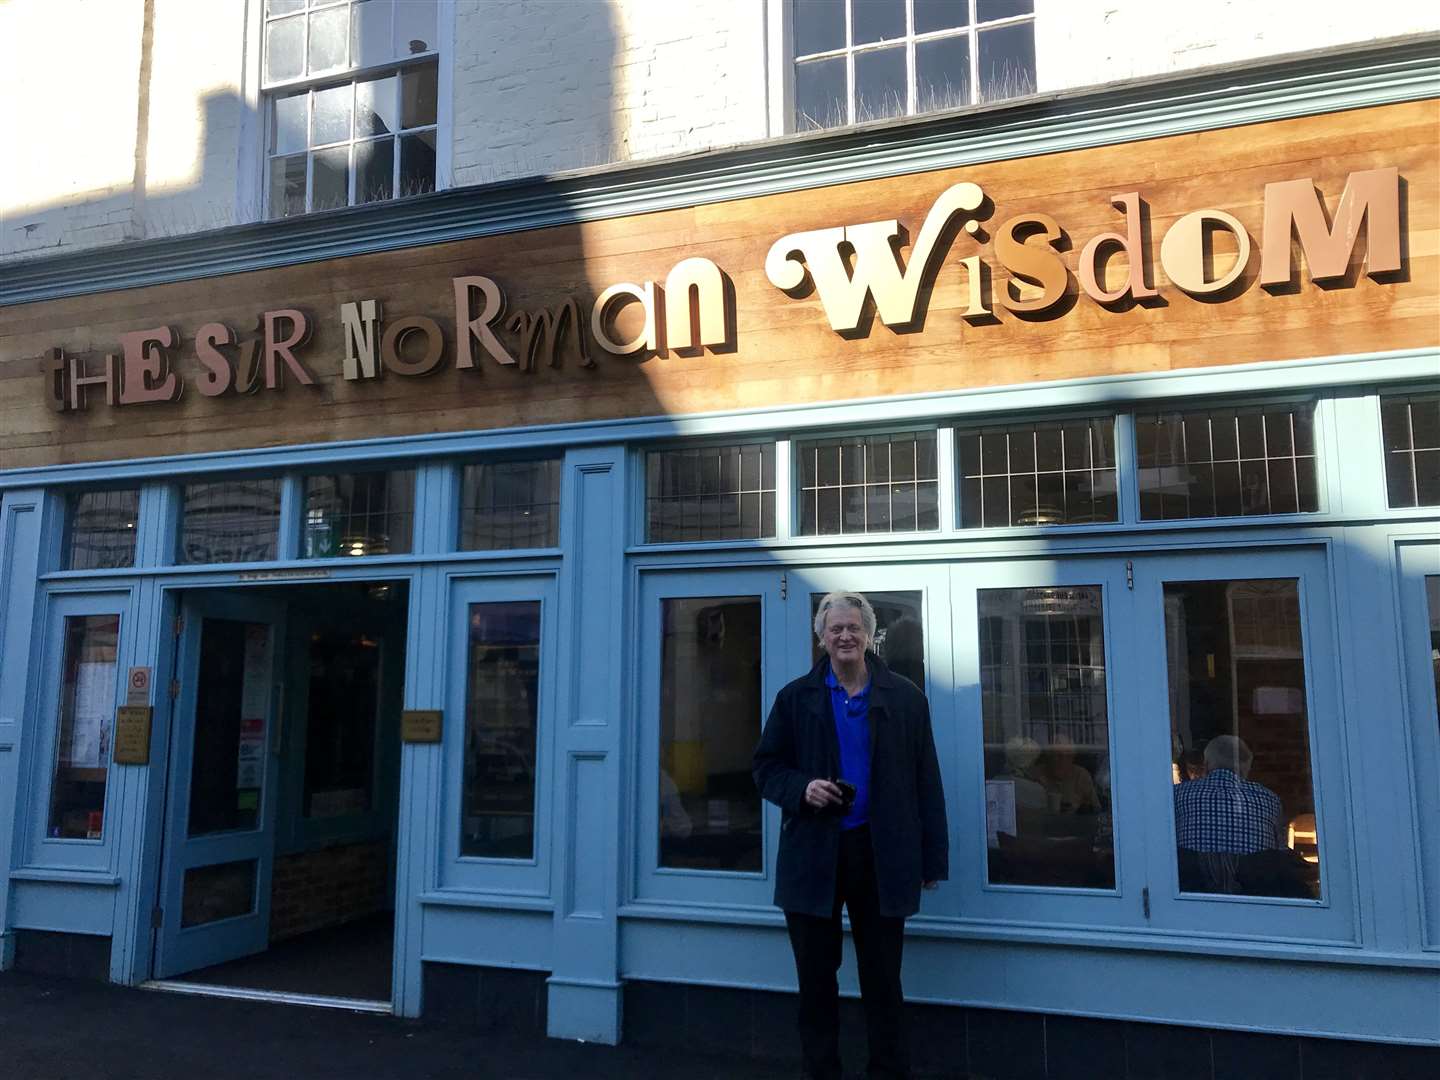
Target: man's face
point(845, 639)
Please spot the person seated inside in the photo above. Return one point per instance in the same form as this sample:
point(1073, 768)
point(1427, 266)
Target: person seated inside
point(1068, 784)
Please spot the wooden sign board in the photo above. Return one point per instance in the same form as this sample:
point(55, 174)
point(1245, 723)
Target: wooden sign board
point(132, 735)
point(421, 725)
point(395, 343)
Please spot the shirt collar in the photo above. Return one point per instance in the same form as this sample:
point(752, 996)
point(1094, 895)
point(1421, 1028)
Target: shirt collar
point(834, 683)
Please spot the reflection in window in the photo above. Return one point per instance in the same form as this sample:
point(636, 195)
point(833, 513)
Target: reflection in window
point(869, 484)
point(710, 493)
point(230, 521)
point(510, 504)
point(100, 529)
point(369, 513)
point(1432, 595)
point(232, 709)
point(1227, 462)
point(87, 707)
point(899, 632)
point(1047, 737)
point(1060, 473)
point(709, 724)
point(1411, 427)
point(1239, 729)
point(502, 701)
point(212, 893)
point(343, 703)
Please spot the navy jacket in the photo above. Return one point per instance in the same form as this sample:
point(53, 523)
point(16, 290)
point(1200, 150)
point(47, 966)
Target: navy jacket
point(907, 802)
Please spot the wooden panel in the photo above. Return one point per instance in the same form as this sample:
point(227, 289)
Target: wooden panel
point(785, 352)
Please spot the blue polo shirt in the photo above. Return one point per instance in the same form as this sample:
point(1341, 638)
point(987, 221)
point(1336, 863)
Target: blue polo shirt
point(852, 728)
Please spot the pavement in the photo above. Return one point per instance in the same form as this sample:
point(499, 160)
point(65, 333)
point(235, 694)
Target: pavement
point(57, 1029)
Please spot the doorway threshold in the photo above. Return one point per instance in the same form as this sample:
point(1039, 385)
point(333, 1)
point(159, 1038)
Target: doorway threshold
point(275, 997)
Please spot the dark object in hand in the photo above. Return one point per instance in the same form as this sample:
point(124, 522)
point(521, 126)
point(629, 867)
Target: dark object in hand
point(847, 793)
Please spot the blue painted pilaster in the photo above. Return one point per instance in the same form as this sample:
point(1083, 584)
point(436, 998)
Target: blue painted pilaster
point(585, 991)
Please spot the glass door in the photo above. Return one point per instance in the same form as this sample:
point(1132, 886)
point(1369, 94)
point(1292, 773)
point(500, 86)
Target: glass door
point(711, 662)
point(1242, 768)
point(1043, 803)
point(1420, 612)
point(223, 780)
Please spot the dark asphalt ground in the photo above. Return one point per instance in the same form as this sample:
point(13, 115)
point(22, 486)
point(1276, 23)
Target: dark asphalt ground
point(59, 1029)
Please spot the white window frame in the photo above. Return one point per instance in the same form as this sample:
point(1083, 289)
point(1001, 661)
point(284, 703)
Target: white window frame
point(252, 173)
point(783, 59)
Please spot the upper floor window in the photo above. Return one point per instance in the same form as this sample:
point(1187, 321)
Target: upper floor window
point(859, 60)
point(100, 529)
point(351, 102)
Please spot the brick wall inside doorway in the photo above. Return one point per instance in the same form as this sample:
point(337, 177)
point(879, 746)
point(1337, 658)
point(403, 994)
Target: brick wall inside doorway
point(312, 890)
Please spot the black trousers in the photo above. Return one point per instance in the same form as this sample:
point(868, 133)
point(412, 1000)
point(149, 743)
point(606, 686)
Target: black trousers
point(878, 944)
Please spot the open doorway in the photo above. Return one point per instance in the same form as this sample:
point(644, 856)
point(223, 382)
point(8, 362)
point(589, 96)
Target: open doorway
point(278, 869)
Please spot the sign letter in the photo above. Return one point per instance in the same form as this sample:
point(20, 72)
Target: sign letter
point(465, 327)
point(1371, 200)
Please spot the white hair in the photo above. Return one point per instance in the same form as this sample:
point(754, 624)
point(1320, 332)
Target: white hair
point(1229, 752)
point(853, 600)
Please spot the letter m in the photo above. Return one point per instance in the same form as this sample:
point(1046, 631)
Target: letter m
point(1370, 201)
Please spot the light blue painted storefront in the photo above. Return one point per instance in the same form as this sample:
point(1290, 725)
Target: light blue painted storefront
point(593, 909)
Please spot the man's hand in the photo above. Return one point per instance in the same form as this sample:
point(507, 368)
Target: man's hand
point(822, 793)
point(931, 885)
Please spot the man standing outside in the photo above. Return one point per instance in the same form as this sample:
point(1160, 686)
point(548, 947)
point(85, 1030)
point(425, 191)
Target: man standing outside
point(849, 757)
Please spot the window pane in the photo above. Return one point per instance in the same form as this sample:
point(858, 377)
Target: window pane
point(819, 26)
point(877, 20)
point(287, 124)
point(232, 706)
point(329, 35)
point(510, 504)
point(880, 87)
point(1411, 432)
point(1046, 737)
point(1432, 596)
point(417, 164)
point(1230, 462)
point(940, 15)
point(414, 28)
point(710, 493)
point(230, 521)
point(988, 10)
point(100, 527)
point(869, 483)
point(1007, 62)
point(1244, 807)
point(942, 73)
point(710, 705)
point(1040, 474)
point(287, 186)
point(212, 893)
point(285, 49)
point(87, 709)
point(821, 100)
point(899, 632)
point(359, 514)
point(377, 105)
point(418, 95)
point(374, 170)
point(282, 7)
point(370, 32)
point(330, 178)
point(332, 115)
point(344, 700)
point(502, 691)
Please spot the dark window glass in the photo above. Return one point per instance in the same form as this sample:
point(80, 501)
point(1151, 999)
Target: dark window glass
point(344, 702)
point(370, 513)
point(1057, 473)
point(1227, 462)
point(510, 504)
point(1244, 799)
point(1046, 737)
point(212, 893)
point(821, 99)
point(374, 170)
point(942, 73)
point(880, 84)
point(990, 10)
point(502, 702)
point(87, 709)
point(932, 15)
point(876, 20)
point(819, 26)
point(1007, 61)
point(710, 493)
point(232, 712)
point(1411, 430)
point(229, 521)
point(710, 686)
point(868, 484)
point(899, 632)
point(100, 530)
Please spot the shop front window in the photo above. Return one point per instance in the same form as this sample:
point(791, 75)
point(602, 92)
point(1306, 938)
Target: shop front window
point(1239, 728)
point(87, 709)
point(230, 521)
point(710, 712)
point(510, 504)
point(100, 529)
point(869, 484)
point(1411, 428)
point(359, 514)
point(1046, 737)
point(1055, 473)
point(710, 493)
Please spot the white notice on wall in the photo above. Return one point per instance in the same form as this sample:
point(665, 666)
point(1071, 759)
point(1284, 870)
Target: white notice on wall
point(90, 717)
point(999, 810)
